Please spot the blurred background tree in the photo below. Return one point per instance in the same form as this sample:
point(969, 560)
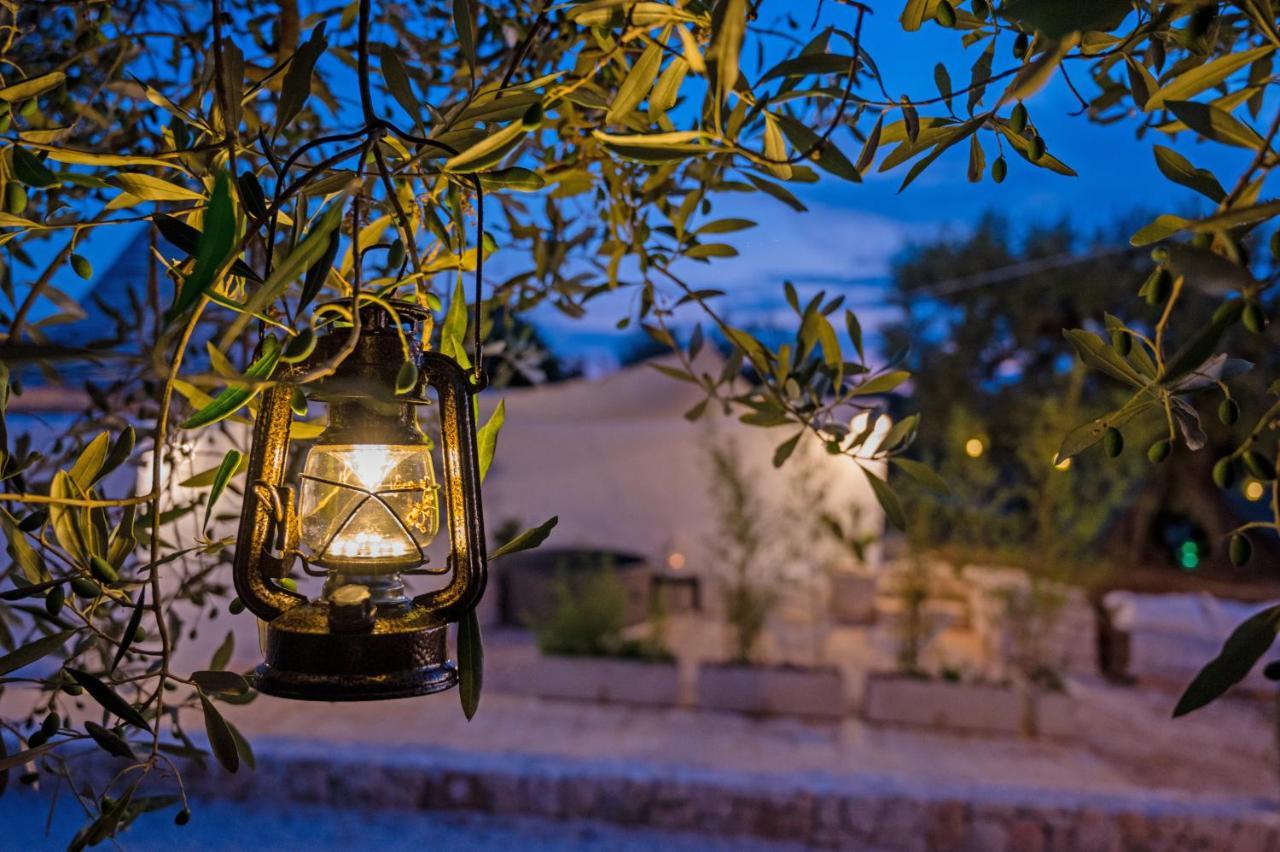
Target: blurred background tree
point(997, 385)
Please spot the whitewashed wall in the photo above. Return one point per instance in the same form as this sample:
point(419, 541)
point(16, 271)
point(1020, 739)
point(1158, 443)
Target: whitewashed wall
point(615, 459)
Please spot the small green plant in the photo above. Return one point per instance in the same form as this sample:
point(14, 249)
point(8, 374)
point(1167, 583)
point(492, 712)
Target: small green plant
point(1033, 613)
point(847, 533)
point(590, 619)
point(740, 537)
point(913, 593)
point(747, 608)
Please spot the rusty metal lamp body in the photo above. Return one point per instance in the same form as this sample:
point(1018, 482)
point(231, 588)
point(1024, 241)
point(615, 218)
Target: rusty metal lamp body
point(363, 639)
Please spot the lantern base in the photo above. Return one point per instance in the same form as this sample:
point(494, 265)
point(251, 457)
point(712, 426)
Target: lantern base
point(402, 655)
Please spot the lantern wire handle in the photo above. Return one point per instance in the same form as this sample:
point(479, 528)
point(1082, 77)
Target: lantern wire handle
point(375, 124)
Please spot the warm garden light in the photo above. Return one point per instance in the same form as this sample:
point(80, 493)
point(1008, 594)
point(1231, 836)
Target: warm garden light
point(974, 448)
point(368, 506)
point(1254, 490)
point(1065, 464)
point(871, 444)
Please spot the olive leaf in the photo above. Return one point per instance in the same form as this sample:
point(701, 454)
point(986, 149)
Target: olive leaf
point(222, 742)
point(1242, 650)
point(313, 248)
point(220, 681)
point(1206, 271)
point(27, 558)
point(222, 654)
point(1178, 169)
point(32, 86)
point(8, 761)
point(242, 745)
point(464, 25)
point(150, 188)
point(487, 437)
point(29, 169)
point(187, 240)
point(212, 248)
point(922, 474)
point(205, 478)
point(887, 499)
point(883, 383)
point(785, 449)
point(728, 28)
point(528, 539)
point(130, 630)
point(1190, 83)
point(453, 330)
point(33, 651)
point(636, 85)
point(470, 663)
point(110, 741)
point(779, 192)
point(826, 154)
point(1216, 124)
point(1083, 437)
point(230, 464)
point(1054, 19)
point(318, 271)
point(84, 471)
point(121, 450)
point(235, 396)
point(396, 76)
point(108, 698)
point(406, 377)
point(1097, 354)
point(488, 151)
point(252, 197)
point(515, 178)
point(297, 80)
point(1200, 345)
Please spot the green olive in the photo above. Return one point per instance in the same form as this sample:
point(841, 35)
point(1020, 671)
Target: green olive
point(103, 570)
point(1113, 441)
point(1240, 549)
point(1018, 119)
point(1259, 465)
point(1159, 451)
point(1224, 472)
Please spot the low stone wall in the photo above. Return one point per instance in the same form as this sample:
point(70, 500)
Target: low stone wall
point(850, 812)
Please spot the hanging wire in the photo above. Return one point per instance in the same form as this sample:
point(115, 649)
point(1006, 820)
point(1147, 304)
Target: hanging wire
point(375, 126)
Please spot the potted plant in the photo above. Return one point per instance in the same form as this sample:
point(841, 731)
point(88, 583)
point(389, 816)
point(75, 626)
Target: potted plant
point(946, 696)
point(1017, 616)
point(587, 653)
point(743, 683)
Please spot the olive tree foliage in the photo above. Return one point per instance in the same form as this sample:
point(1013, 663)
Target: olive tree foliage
point(1172, 69)
point(295, 163)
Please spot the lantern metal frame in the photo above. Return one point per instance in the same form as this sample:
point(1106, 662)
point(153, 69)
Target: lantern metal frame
point(314, 652)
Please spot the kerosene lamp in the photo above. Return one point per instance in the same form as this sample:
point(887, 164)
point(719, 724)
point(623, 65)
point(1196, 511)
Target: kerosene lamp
point(366, 507)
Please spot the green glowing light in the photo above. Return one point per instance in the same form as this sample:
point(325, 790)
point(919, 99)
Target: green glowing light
point(1189, 555)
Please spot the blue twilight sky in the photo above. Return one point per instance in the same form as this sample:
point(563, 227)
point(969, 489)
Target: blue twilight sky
point(852, 231)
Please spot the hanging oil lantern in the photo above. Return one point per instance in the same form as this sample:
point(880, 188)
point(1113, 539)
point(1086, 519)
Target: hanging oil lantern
point(366, 507)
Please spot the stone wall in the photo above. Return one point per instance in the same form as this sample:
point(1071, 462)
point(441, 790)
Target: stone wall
point(860, 813)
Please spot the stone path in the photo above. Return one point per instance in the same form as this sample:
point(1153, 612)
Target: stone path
point(1129, 745)
point(219, 826)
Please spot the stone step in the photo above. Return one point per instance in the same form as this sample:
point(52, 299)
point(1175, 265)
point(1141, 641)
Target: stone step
point(853, 812)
